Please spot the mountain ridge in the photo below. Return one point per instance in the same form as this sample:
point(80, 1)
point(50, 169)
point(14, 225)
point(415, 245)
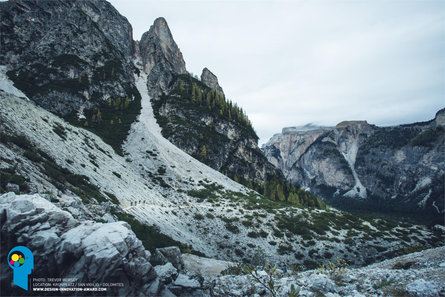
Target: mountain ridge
point(351, 149)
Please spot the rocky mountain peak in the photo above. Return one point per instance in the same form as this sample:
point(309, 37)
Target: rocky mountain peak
point(440, 117)
point(158, 46)
point(210, 79)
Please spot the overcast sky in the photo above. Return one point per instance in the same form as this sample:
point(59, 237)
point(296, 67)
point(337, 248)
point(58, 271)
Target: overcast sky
point(288, 63)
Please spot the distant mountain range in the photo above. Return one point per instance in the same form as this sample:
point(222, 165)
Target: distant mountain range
point(358, 166)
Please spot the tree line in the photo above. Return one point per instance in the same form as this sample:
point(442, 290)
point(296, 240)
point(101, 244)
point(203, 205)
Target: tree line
point(277, 189)
point(197, 93)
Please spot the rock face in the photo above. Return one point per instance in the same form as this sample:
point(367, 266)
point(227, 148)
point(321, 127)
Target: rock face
point(67, 56)
point(75, 60)
point(66, 247)
point(231, 146)
point(210, 79)
point(363, 166)
point(226, 144)
point(166, 255)
point(161, 57)
point(440, 118)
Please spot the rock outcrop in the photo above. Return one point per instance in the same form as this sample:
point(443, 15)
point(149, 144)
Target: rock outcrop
point(439, 120)
point(64, 247)
point(398, 169)
point(417, 274)
point(161, 57)
point(231, 146)
point(210, 79)
point(67, 56)
point(215, 137)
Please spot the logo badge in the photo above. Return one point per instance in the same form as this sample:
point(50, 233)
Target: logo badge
point(21, 260)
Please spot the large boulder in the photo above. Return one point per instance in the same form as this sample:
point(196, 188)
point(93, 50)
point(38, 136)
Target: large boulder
point(170, 254)
point(64, 247)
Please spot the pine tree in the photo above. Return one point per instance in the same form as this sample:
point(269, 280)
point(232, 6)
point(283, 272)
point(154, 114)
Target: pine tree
point(117, 103)
point(208, 98)
point(127, 102)
point(203, 152)
point(193, 93)
point(199, 95)
point(280, 194)
point(235, 178)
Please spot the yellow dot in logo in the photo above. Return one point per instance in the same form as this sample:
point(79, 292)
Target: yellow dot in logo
point(14, 257)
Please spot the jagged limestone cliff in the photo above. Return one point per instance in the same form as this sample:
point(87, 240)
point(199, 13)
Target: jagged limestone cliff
point(161, 57)
point(362, 166)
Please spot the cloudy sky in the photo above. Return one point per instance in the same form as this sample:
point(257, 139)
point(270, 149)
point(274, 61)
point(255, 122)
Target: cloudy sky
point(288, 63)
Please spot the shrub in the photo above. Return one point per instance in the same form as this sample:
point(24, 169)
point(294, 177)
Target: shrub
point(59, 130)
point(299, 256)
point(284, 249)
point(33, 156)
point(335, 269)
point(232, 228)
point(252, 234)
point(268, 283)
point(20, 141)
point(161, 170)
point(150, 236)
point(312, 252)
point(113, 198)
point(310, 264)
point(263, 233)
point(239, 252)
point(8, 175)
point(247, 223)
point(198, 216)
